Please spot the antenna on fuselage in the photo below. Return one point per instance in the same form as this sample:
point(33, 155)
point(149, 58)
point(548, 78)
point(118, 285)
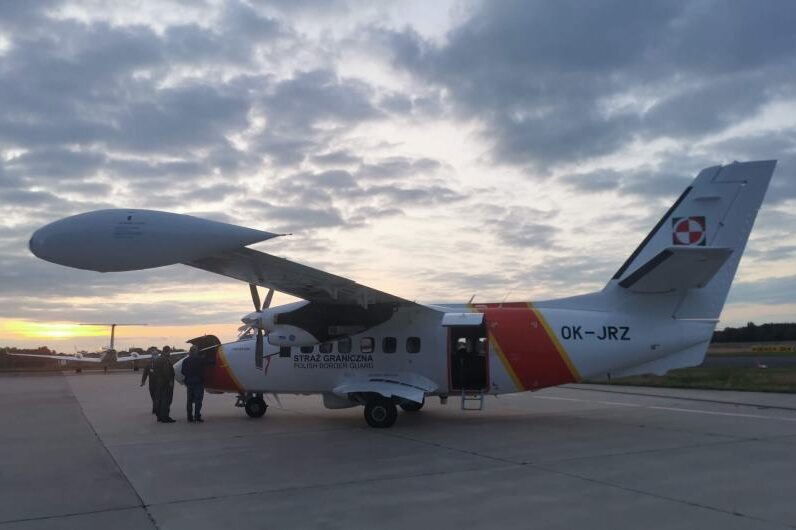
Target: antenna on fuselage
point(506, 297)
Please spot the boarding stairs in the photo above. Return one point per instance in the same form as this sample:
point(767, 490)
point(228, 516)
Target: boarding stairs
point(472, 399)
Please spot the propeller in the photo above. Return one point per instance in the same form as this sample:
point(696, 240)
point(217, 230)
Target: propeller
point(252, 323)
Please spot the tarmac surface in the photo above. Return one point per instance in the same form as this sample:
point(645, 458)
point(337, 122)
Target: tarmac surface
point(83, 451)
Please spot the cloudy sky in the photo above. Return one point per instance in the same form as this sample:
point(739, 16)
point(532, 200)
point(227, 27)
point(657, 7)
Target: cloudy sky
point(510, 150)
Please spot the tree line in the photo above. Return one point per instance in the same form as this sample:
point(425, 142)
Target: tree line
point(751, 332)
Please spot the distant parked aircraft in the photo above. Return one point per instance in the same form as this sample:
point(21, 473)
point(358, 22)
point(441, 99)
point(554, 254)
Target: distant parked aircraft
point(104, 357)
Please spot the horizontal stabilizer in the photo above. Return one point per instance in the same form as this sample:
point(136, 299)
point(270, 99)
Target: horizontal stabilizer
point(677, 268)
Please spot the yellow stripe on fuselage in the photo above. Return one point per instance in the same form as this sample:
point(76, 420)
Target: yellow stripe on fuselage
point(506, 365)
point(561, 351)
point(225, 365)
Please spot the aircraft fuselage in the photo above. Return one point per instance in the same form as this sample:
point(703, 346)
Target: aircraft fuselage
point(517, 347)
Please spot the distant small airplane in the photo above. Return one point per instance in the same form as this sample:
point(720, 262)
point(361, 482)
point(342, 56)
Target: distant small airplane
point(356, 345)
point(104, 357)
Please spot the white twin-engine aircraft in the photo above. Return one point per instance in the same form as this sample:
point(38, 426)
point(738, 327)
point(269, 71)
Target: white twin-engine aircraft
point(105, 357)
point(356, 345)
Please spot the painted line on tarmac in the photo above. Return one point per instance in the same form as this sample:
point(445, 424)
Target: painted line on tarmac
point(681, 398)
point(616, 403)
point(716, 413)
point(671, 409)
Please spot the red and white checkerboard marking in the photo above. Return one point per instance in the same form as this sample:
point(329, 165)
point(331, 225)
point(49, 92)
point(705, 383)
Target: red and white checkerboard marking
point(688, 230)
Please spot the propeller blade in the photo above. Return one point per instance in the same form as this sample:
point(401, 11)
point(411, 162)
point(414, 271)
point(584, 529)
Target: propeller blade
point(268, 299)
point(255, 296)
point(258, 352)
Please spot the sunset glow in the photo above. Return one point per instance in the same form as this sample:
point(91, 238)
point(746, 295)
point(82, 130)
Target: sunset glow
point(25, 329)
point(69, 336)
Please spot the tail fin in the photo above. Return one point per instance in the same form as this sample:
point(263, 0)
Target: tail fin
point(691, 255)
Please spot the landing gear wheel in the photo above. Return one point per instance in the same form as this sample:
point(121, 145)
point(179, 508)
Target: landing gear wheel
point(380, 413)
point(255, 407)
point(411, 406)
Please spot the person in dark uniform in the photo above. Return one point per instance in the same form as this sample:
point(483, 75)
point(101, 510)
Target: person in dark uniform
point(193, 370)
point(149, 373)
point(164, 380)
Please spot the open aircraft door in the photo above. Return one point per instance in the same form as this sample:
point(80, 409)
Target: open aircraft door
point(468, 352)
point(209, 346)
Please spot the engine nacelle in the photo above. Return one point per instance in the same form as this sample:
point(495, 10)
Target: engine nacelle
point(286, 335)
point(124, 240)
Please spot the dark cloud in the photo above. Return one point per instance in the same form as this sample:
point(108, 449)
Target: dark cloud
point(775, 291)
point(172, 120)
point(772, 253)
point(337, 158)
point(520, 227)
point(27, 198)
point(398, 168)
point(594, 181)
point(299, 103)
point(341, 198)
point(212, 193)
point(288, 218)
point(56, 162)
point(558, 82)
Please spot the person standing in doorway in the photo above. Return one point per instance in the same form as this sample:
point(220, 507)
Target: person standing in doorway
point(193, 371)
point(164, 377)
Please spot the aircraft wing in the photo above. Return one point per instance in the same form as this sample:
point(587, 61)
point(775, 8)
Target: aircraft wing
point(292, 278)
point(129, 358)
point(67, 358)
point(144, 356)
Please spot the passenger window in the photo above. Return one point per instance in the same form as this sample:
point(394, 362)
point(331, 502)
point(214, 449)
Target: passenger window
point(366, 344)
point(307, 349)
point(325, 347)
point(389, 344)
point(344, 345)
point(284, 351)
point(413, 344)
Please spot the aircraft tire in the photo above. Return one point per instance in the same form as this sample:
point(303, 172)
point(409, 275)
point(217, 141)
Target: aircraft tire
point(411, 406)
point(255, 407)
point(380, 413)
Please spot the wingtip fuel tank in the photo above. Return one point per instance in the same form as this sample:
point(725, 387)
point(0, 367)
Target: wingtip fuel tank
point(131, 239)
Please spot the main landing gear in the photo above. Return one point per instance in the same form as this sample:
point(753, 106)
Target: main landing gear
point(254, 404)
point(380, 412)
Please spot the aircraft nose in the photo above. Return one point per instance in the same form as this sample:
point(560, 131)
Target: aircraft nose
point(35, 244)
point(178, 371)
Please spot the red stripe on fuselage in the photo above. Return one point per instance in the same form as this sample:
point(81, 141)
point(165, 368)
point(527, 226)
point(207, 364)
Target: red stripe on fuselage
point(527, 347)
point(219, 375)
